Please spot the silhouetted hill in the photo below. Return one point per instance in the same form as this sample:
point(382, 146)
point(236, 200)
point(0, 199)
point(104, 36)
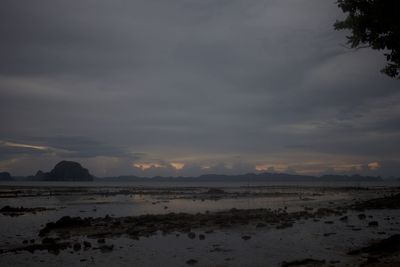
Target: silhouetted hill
point(68, 171)
point(39, 176)
point(5, 176)
point(63, 171)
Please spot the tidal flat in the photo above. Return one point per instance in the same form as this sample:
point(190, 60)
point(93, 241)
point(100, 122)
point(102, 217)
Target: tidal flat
point(199, 225)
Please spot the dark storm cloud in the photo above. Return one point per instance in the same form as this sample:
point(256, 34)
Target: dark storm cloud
point(221, 86)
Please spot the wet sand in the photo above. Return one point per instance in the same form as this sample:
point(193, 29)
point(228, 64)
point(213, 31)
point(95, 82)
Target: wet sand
point(199, 226)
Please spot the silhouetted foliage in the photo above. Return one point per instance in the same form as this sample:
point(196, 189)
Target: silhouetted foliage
point(375, 24)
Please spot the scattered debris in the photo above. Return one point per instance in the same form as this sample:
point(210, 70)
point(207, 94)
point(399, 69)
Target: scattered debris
point(305, 262)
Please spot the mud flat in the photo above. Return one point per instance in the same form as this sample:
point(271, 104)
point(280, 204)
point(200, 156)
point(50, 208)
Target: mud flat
point(304, 227)
point(18, 211)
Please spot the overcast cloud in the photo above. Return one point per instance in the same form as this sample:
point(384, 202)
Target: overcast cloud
point(186, 87)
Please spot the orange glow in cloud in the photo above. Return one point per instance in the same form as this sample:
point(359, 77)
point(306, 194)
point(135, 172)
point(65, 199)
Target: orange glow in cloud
point(261, 167)
point(373, 165)
point(347, 167)
point(177, 165)
point(271, 168)
point(145, 166)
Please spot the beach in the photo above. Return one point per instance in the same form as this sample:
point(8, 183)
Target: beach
point(199, 225)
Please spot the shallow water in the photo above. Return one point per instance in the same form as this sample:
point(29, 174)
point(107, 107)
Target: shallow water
point(267, 247)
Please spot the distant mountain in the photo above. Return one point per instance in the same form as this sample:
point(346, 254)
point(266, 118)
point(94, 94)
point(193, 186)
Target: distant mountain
point(249, 177)
point(353, 178)
point(64, 171)
point(39, 176)
point(73, 171)
point(5, 176)
point(393, 178)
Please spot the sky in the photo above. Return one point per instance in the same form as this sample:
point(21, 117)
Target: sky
point(189, 87)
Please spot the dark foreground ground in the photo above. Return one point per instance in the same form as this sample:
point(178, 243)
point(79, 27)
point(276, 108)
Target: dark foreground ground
point(200, 226)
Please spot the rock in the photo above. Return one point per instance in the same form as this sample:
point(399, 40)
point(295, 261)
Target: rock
point(305, 262)
point(246, 237)
point(87, 244)
point(68, 221)
point(362, 216)
point(50, 245)
point(106, 248)
point(191, 262)
point(68, 171)
point(329, 234)
point(215, 191)
point(16, 211)
point(373, 224)
point(284, 225)
point(260, 225)
point(65, 222)
point(371, 261)
point(344, 218)
point(389, 246)
point(77, 246)
point(202, 237)
point(387, 202)
point(191, 235)
point(49, 240)
point(101, 241)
